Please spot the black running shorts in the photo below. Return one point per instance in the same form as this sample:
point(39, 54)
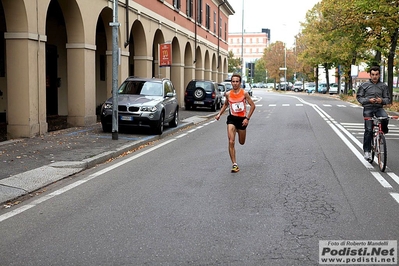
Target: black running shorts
point(236, 121)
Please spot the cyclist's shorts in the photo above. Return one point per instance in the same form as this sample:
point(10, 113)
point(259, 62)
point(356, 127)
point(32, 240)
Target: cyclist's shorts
point(236, 121)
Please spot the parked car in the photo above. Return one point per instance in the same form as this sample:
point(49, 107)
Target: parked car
point(284, 86)
point(298, 86)
point(322, 88)
point(259, 85)
point(143, 102)
point(203, 93)
point(247, 87)
point(310, 87)
point(334, 88)
point(227, 87)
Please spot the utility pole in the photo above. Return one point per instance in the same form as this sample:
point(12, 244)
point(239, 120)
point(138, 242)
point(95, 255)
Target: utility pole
point(242, 41)
point(115, 55)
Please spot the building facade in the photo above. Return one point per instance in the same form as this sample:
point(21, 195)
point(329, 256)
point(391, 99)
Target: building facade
point(248, 45)
point(56, 56)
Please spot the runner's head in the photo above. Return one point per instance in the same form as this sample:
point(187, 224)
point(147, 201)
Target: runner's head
point(236, 81)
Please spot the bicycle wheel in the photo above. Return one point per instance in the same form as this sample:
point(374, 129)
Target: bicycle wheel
point(382, 153)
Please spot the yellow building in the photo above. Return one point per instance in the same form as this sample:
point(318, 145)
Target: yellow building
point(56, 55)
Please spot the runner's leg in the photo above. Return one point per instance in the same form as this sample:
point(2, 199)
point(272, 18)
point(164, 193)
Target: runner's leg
point(231, 133)
point(242, 133)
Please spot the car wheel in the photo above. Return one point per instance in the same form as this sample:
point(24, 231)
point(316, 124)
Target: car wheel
point(296, 90)
point(175, 120)
point(158, 126)
point(199, 94)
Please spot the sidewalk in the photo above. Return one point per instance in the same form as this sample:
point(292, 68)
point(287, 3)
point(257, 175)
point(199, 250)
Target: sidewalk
point(32, 163)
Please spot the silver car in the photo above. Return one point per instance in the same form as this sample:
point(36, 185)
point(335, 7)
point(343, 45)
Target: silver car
point(143, 102)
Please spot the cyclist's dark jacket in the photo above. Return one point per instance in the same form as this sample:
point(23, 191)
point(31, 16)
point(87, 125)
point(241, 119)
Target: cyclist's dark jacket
point(370, 90)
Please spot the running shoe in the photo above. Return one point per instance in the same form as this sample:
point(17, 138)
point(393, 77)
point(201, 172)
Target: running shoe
point(235, 168)
point(367, 156)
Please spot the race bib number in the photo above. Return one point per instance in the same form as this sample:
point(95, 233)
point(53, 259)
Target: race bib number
point(238, 107)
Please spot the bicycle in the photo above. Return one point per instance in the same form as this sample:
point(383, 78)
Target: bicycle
point(379, 145)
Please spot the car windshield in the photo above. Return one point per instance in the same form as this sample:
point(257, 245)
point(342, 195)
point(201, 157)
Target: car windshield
point(141, 87)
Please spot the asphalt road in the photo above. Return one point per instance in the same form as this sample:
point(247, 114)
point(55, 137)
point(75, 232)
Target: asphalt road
point(175, 202)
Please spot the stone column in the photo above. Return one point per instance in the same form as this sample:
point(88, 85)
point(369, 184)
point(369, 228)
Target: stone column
point(142, 66)
point(81, 84)
point(177, 77)
point(26, 84)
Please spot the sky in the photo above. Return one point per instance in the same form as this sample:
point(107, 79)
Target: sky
point(282, 17)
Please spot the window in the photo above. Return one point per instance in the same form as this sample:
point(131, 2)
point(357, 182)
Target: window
point(199, 11)
point(189, 8)
point(207, 16)
point(225, 31)
point(214, 22)
point(176, 4)
point(220, 26)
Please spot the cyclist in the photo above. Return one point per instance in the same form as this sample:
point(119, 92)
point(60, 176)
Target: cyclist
point(373, 95)
point(238, 119)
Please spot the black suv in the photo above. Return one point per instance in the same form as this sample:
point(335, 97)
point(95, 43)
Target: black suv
point(143, 102)
point(204, 93)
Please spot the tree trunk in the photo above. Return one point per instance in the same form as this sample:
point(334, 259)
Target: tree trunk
point(391, 58)
point(327, 76)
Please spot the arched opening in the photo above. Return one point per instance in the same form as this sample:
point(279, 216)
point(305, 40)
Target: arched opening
point(56, 68)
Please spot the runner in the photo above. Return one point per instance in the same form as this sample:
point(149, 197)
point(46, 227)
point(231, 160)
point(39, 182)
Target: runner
point(238, 119)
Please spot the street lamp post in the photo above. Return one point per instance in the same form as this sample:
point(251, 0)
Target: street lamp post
point(242, 40)
point(285, 67)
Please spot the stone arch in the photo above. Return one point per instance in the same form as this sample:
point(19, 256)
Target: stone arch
point(139, 61)
point(80, 61)
point(214, 70)
point(103, 58)
point(189, 72)
point(199, 64)
point(56, 63)
point(207, 64)
point(177, 69)
point(156, 71)
point(225, 68)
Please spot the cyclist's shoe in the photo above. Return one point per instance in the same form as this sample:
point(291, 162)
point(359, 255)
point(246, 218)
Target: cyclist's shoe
point(235, 168)
point(367, 155)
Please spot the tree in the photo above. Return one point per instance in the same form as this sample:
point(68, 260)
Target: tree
point(274, 59)
point(234, 64)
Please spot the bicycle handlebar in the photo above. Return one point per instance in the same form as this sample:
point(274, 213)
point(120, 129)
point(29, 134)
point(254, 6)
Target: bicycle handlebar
point(381, 117)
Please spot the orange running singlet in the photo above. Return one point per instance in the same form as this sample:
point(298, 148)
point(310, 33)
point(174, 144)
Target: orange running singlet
point(237, 103)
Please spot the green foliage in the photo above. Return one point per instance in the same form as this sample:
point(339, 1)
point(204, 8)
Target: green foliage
point(234, 64)
point(348, 32)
